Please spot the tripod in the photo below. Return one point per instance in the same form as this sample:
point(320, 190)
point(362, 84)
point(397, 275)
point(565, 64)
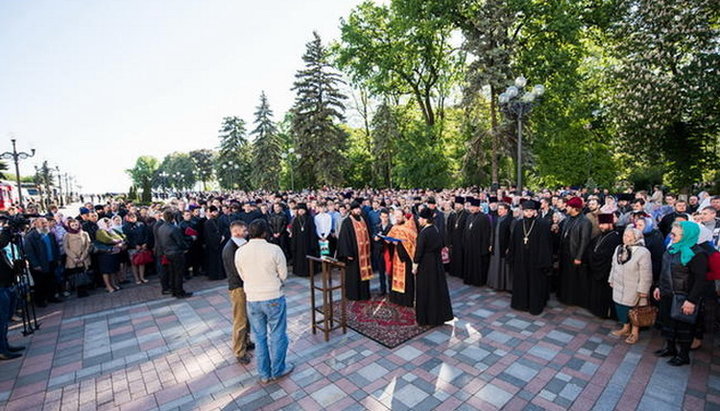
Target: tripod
point(23, 285)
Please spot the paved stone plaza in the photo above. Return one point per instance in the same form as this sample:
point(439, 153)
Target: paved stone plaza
point(135, 350)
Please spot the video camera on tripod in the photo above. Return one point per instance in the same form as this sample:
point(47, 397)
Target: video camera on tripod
point(12, 227)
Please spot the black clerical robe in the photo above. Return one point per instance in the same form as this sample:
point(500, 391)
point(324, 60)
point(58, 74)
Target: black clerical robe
point(476, 249)
point(303, 242)
point(278, 231)
point(433, 306)
point(530, 258)
point(213, 235)
point(574, 287)
point(347, 250)
point(455, 232)
point(599, 259)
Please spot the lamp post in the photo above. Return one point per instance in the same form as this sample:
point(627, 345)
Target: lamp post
point(292, 156)
point(518, 102)
point(163, 181)
point(60, 187)
point(16, 157)
point(233, 168)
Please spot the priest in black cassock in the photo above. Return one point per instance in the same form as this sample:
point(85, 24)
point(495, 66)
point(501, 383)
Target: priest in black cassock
point(530, 258)
point(476, 245)
point(574, 288)
point(455, 231)
point(354, 249)
point(499, 277)
point(213, 234)
point(599, 257)
point(433, 306)
point(303, 240)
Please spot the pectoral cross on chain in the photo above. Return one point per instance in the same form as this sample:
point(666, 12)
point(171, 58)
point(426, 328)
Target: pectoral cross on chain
point(525, 240)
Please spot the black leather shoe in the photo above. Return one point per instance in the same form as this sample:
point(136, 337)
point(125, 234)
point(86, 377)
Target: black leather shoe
point(54, 300)
point(678, 361)
point(9, 356)
point(245, 359)
point(250, 346)
point(15, 349)
point(666, 352)
point(184, 295)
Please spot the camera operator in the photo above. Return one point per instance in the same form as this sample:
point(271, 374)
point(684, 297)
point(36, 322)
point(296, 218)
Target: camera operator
point(8, 299)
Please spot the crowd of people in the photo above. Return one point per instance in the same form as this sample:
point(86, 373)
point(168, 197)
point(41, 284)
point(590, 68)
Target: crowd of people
point(607, 253)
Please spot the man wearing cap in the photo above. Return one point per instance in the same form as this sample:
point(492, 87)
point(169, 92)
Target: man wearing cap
point(303, 240)
point(599, 259)
point(476, 245)
point(530, 258)
point(499, 277)
point(574, 239)
point(438, 217)
point(214, 238)
point(433, 306)
point(354, 248)
point(455, 231)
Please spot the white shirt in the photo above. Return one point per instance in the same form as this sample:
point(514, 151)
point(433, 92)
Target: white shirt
point(323, 225)
point(263, 269)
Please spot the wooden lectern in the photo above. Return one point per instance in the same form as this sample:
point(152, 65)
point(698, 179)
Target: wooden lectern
point(328, 323)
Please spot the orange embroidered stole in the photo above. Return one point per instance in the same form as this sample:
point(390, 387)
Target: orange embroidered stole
point(362, 238)
point(408, 234)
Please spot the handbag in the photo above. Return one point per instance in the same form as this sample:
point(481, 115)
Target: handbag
point(643, 315)
point(82, 279)
point(676, 312)
point(142, 257)
point(445, 255)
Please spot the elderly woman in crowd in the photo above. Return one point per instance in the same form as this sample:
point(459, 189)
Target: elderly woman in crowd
point(76, 244)
point(630, 279)
point(109, 257)
point(682, 285)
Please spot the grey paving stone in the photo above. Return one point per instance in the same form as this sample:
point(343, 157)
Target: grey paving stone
point(494, 395)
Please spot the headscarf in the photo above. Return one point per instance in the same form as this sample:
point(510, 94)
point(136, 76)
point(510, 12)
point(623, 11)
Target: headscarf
point(624, 251)
point(691, 233)
point(706, 235)
point(104, 224)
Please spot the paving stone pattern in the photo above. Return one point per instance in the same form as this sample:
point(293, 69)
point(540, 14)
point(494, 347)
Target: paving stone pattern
point(135, 350)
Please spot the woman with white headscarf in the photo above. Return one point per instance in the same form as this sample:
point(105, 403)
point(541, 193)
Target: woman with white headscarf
point(109, 261)
point(630, 279)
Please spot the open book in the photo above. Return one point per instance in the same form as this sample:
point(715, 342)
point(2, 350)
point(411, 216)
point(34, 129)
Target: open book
point(391, 239)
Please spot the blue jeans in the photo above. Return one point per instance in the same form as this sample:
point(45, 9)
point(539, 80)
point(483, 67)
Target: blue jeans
point(8, 299)
point(269, 317)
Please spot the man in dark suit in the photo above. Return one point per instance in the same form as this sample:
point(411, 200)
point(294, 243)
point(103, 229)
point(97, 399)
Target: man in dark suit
point(241, 325)
point(43, 254)
point(173, 245)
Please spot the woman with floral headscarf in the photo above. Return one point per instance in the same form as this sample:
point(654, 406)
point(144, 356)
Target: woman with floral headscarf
point(683, 274)
point(630, 279)
point(109, 260)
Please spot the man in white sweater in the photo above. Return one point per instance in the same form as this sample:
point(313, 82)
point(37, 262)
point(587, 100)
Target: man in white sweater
point(263, 269)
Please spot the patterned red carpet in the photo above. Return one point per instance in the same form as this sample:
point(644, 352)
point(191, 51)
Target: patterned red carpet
point(382, 321)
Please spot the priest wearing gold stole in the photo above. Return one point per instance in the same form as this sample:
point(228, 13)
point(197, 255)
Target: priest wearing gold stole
point(402, 291)
point(354, 249)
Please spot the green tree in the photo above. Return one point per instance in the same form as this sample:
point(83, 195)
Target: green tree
point(142, 175)
point(179, 171)
point(204, 161)
point(665, 83)
point(233, 163)
point(384, 137)
point(317, 110)
point(267, 148)
point(400, 49)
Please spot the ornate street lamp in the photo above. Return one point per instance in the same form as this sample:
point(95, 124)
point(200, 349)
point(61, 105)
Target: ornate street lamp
point(16, 157)
point(517, 102)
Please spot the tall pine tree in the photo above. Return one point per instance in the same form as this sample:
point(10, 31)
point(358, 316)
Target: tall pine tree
point(267, 148)
point(235, 156)
point(316, 113)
